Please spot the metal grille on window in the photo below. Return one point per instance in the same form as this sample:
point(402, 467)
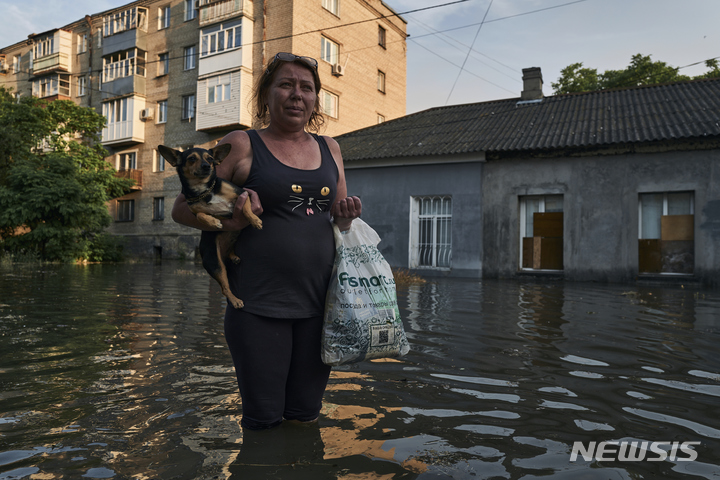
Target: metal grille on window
point(435, 232)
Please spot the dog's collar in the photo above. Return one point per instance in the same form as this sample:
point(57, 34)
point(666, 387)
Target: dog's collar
point(202, 195)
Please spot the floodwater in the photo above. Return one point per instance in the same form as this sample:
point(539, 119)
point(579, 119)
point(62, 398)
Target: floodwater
point(121, 371)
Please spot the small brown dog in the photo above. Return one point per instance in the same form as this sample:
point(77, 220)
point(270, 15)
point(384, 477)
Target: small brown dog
point(209, 198)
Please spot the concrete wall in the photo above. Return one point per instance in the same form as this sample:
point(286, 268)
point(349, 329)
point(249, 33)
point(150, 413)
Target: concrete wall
point(601, 197)
point(386, 193)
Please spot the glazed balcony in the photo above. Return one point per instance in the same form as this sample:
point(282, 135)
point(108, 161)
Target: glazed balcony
point(213, 11)
point(52, 52)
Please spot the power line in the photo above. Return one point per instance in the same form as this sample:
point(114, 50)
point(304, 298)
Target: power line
point(468, 53)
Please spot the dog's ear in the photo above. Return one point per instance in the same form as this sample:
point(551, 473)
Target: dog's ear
point(219, 152)
point(169, 154)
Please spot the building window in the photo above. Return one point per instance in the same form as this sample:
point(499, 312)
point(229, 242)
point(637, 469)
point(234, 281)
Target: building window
point(159, 208)
point(164, 17)
point(190, 57)
point(82, 43)
point(44, 47)
point(329, 103)
point(124, 20)
point(50, 86)
point(188, 107)
point(218, 88)
point(126, 161)
point(381, 81)
point(158, 162)
point(190, 10)
point(82, 86)
point(667, 233)
point(125, 210)
point(162, 111)
point(380, 118)
point(220, 38)
point(163, 64)
point(333, 6)
point(329, 50)
point(541, 232)
point(16, 64)
point(124, 64)
point(431, 232)
point(381, 37)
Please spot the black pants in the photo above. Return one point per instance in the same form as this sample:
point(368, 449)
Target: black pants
point(278, 367)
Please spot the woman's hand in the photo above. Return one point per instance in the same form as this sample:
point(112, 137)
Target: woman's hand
point(238, 220)
point(345, 211)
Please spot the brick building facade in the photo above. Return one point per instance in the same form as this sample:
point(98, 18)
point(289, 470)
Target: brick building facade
point(180, 73)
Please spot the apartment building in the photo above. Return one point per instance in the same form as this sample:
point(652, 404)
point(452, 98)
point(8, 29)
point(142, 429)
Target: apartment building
point(181, 73)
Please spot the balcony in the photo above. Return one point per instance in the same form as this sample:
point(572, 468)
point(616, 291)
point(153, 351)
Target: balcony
point(212, 11)
point(52, 53)
point(124, 125)
point(132, 174)
point(51, 63)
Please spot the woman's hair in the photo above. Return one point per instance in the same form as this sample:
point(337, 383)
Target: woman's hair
point(262, 88)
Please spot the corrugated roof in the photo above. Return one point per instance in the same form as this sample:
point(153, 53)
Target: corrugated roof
point(588, 120)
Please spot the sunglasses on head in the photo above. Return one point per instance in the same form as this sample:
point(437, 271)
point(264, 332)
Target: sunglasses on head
point(290, 57)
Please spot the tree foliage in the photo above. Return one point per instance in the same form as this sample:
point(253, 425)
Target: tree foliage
point(641, 71)
point(54, 180)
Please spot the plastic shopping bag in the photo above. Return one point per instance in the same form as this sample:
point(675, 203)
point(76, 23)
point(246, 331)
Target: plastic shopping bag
point(362, 319)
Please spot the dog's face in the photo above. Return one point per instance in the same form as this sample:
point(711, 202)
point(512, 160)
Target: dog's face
point(196, 165)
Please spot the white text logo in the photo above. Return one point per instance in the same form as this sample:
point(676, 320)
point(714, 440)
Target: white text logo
point(624, 451)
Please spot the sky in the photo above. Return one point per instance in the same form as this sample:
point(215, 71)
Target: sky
point(505, 35)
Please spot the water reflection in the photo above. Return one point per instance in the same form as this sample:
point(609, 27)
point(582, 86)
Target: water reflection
point(120, 372)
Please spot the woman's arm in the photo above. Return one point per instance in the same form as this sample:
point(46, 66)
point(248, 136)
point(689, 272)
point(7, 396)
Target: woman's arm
point(234, 168)
point(345, 209)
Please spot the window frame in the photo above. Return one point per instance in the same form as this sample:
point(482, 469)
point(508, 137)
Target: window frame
point(215, 87)
point(382, 37)
point(381, 81)
point(125, 210)
point(163, 64)
point(327, 56)
point(324, 94)
point(227, 33)
point(188, 107)
point(162, 109)
point(438, 221)
point(158, 209)
point(164, 17)
point(332, 6)
point(190, 58)
point(192, 12)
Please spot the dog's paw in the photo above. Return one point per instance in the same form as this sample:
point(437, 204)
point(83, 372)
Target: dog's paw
point(256, 223)
point(217, 224)
point(234, 258)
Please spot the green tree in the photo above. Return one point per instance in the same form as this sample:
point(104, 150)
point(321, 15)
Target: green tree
point(54, 180)
point(641, 71)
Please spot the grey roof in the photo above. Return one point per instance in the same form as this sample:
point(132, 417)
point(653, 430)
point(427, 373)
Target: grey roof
point(587, 120)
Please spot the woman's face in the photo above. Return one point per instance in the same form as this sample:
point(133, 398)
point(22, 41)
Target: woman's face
point(291, 98)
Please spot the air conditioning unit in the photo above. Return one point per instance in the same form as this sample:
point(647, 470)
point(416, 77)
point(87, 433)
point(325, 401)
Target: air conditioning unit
point(147, 114)
point(338, 70)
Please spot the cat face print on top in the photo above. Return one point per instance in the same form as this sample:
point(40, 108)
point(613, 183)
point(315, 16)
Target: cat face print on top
point(309, 202)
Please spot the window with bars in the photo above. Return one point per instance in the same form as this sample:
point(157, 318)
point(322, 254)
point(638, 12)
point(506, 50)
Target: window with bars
point(431, 232)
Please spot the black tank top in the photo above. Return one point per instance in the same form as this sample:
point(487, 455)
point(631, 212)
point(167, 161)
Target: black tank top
point(285, 267)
